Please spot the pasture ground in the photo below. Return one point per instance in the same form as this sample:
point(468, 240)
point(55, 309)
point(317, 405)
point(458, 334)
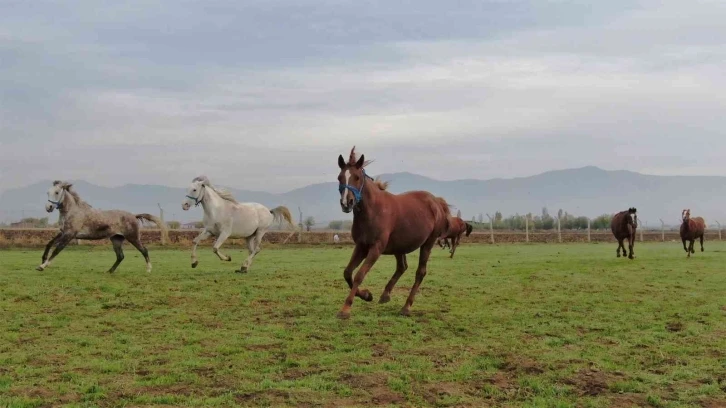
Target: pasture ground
point(510, 325)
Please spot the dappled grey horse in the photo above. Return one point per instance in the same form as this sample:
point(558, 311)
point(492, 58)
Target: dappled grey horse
point(78, 220)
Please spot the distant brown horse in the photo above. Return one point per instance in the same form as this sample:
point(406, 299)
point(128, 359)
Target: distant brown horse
point(386, 224)
point(691, 230)
point(78, 220)
point(623, 226)
point(457, 228)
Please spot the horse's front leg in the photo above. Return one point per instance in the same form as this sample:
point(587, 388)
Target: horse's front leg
point(62, 242)
point(701, 243)
point(201, 237)
point(631, 246)
point(218, 243)
point(374, 253)
point(48, 246)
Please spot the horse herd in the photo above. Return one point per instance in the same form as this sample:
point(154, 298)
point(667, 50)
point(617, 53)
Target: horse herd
point(383, 224)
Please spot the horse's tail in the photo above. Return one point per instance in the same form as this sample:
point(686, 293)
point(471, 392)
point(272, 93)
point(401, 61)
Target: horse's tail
point(469, 228)
point(282, 213)
point(157, 221)
point(444, 205)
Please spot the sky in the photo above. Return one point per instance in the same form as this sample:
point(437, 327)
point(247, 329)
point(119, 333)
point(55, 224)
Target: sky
point(264, 95)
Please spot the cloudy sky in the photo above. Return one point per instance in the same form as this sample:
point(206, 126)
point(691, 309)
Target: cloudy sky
point(265, 94)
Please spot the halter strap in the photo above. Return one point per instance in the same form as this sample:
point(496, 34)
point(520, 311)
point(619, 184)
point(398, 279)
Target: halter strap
point(357, 193)
point(201, 197)
point(59, 204)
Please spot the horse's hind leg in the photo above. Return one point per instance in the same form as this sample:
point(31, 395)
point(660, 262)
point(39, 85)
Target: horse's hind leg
point(693, 243)
point(620, 245)
point(254, 246)
point(118, 242)
point(701, 243)
point(218, 243)
point(136, 242)
point(420, 274)
point(401, 267)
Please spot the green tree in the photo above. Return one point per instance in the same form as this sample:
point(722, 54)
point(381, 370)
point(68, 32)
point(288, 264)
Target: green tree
point(335, 225)
point(309, 222)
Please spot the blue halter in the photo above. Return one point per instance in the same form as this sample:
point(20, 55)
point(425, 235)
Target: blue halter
point(58, 204)
point(358, 194)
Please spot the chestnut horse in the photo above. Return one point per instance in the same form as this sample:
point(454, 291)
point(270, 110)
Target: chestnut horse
point(623, 226)
point(691, 230)
point(457, 228)
point(386, 224)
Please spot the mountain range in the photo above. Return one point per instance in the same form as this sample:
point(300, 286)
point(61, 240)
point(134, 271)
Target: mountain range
point(588, 191)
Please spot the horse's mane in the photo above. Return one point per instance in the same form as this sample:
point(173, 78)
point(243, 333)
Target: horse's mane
point(352, 160)
point(69, 189)
point(223, 193)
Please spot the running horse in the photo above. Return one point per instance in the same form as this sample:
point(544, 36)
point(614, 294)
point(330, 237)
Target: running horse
point(386, 224)
point(78, 220)
point(691, 230)
point(623, 226)
point(457, 228)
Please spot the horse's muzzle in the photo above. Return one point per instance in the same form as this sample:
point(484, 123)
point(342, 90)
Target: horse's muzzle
point(49, 207)
point(185, 206)
point(347, 208)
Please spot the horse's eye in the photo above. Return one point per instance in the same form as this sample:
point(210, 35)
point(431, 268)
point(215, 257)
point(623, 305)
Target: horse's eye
point(195, 190)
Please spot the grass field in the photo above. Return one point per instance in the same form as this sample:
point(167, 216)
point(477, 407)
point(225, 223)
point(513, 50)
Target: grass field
point(514, 325)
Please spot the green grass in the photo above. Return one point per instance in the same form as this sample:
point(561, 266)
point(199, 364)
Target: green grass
point(511, 325)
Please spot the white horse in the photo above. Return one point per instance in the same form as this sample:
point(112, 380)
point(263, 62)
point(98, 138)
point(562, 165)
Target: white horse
point(225, 217)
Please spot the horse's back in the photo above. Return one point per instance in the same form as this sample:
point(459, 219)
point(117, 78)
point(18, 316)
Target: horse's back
point(416, 217)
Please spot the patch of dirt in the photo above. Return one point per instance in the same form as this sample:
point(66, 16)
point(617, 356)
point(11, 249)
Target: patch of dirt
point(713, 403)
point(434, 393)
point(375, 386)
point(522, 365)
point(675, 326)
point(590, 382)
point(379, 350)
point(274, 397)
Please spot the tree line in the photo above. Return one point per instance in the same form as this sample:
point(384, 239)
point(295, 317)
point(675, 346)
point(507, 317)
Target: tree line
point(543, 221)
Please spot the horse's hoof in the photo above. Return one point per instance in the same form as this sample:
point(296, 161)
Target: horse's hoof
point(343, 315)
point(385, 298)
point(241, 270)
point(367, 296)
point(40, 268)
point(405, 312)
point(194, 264)
point(229, 259)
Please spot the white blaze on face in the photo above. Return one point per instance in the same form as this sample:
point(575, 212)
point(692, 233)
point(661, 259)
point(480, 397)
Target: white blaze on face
point(345, 190)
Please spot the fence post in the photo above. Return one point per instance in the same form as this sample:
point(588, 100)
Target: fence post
point(491, 228)
point(526, 228)
point(588, 231)
point(161, 217)
point(662, 230)
point(719, 230)
point(299, 235)
point(641, 230)
point(559, 231)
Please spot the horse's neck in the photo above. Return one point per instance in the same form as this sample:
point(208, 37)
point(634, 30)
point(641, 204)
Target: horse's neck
point(212, 203)
point(69, 204)
point(367, 210)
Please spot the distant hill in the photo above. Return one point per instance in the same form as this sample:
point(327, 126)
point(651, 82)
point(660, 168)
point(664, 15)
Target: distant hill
point(588, 191)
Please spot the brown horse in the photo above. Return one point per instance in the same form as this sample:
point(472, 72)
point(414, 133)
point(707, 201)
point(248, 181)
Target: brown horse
point(691, 230)
point(386, 224)
point(457, 228)
point(623, 226)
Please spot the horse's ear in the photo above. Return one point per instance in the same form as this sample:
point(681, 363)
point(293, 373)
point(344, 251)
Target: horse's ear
point(55, 183)
point(341, 162)
point(67, 186)
point(361, 162)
